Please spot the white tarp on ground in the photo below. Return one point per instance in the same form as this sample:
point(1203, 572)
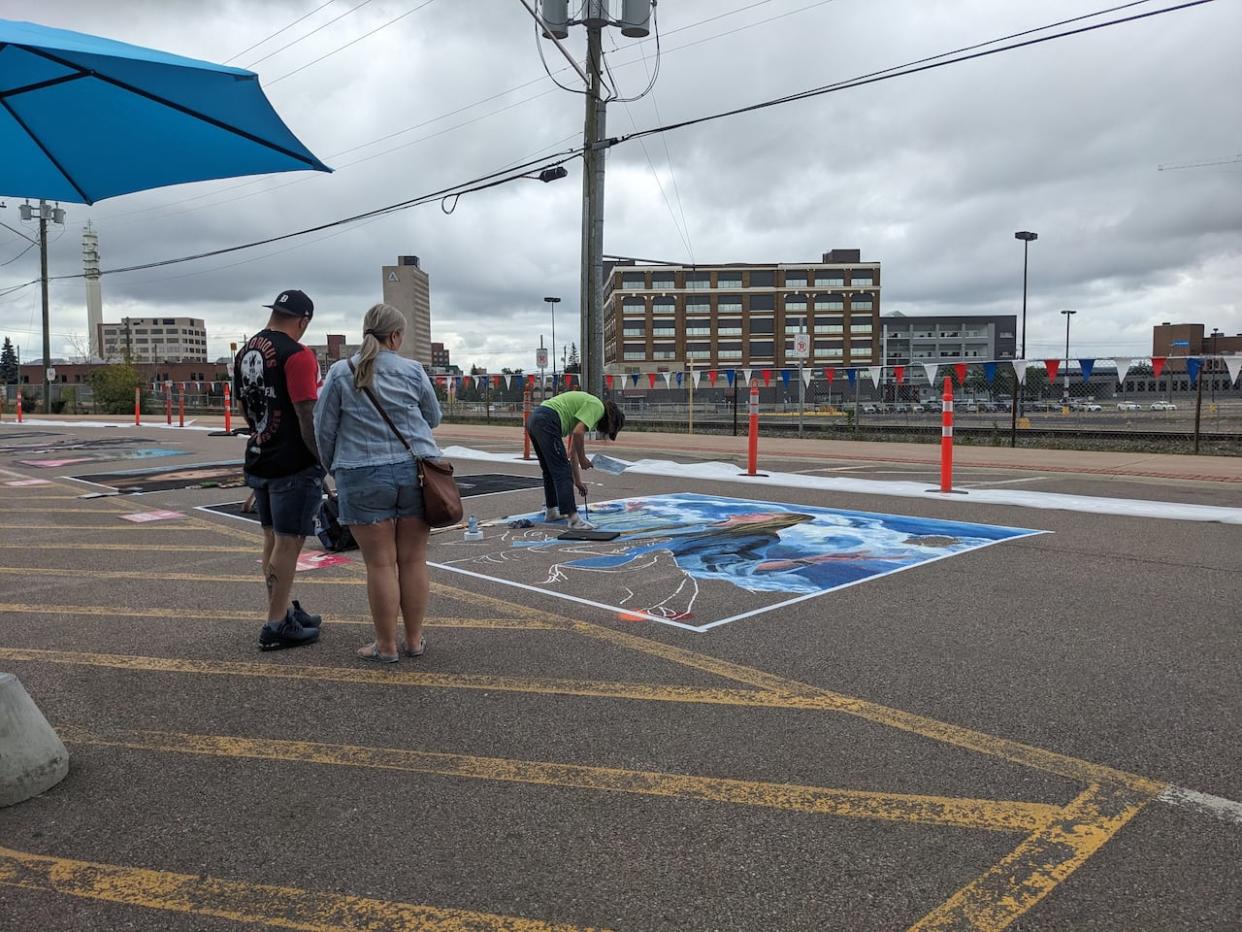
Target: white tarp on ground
point(1054, 501)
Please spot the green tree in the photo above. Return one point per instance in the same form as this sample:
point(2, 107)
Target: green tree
point(9, 369)
point(113, 388)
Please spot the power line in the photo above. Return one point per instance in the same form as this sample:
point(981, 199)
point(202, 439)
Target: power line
point(279, 31)
point(341, 48)
point(924, 64)
point(320, 28)
point(1179, 167)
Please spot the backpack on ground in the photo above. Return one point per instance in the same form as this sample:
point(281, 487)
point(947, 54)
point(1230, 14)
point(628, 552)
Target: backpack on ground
point(333, 535)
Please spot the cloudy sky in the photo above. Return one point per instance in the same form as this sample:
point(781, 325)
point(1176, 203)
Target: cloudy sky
point(930, 174)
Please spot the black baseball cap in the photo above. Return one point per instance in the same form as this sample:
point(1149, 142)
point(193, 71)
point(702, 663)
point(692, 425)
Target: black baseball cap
point(294, 303)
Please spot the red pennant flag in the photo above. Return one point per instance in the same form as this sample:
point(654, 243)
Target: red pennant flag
point(711, 377)
point(608, 380)
point(830, 373)
point(530, 380)
point(569, 379)
point(651, 377)
point(960, 369)
point(1157, 365)
point(899, 373)
point(495, 381)
point(1052, 365)
point(767, 377)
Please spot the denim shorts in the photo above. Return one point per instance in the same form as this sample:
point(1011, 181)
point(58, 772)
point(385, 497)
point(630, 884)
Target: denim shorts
point(370, 494)
point(288, 504)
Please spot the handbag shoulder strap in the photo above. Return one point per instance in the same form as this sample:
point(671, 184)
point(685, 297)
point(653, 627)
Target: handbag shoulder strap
point(384, 414)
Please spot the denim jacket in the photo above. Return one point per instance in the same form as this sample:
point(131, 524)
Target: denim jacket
point(351, 433)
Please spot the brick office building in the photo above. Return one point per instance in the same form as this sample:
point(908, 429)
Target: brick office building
point(741, 315)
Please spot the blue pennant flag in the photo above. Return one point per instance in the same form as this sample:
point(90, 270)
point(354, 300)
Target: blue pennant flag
point(852, 374)
point(785, 377)
point(1192, 369)
point(1086, 366)
point(989, 372)
point(633, 378)
point(731, 375)
point(679, 375)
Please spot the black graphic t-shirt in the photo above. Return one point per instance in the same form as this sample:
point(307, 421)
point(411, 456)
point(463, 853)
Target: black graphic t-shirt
point(271, 372)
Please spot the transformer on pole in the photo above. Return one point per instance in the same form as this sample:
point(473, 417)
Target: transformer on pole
point(634, 22)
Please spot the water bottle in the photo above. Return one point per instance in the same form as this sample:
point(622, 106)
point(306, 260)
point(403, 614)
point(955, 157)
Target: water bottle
point(473, 531)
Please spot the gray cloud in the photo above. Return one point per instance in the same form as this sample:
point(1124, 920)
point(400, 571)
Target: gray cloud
point(929, 174)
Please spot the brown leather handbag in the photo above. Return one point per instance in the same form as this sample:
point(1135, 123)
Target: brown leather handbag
point(441, 498)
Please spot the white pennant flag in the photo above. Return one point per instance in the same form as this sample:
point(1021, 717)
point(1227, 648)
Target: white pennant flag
point(1019, 369)
point(695, 374)
point(930, 368)
point(668, 380)
point(877, 373)
point(1234, 365)
point(1123, 367)
point(746, 375)
point(508, 382)
point(807, 375)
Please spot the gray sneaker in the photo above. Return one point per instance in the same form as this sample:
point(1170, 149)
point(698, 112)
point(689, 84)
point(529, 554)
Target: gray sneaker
point(578, 523)
point(286, 633)
point(305, 618)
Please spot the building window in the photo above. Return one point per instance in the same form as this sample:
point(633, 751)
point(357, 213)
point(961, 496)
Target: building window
point(633, 280)
point(664, 331)
point(699, 328)
point(664, 354)
point(729, 354)
point(762, 279)
point(795, 305)
point(862, 280)
point(762, 325)
point(795, 279)
point(664, 305)
point(634, 330)
point(728, 328)
point(860, 328)
point(729, 304)
point(698, 306)
point(728, 279)
point(698, 354)
point(826, 303)
point(636, 356)
point(761, 348)
point(860, 303)
point(663, 280)
point(762, 302)
point(699, 281)
point(634, 306)
point(829, 280)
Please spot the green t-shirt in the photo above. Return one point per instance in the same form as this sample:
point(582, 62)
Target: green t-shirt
point(573, 407)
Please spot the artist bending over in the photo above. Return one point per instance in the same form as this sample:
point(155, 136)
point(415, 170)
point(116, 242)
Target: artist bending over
point(569, 414)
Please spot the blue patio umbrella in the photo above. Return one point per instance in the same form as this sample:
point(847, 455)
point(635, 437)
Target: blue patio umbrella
point(83, 118)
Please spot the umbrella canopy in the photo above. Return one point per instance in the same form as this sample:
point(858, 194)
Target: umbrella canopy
point(83, 118)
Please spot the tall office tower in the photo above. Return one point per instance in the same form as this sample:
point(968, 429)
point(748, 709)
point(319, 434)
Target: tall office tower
point(407, 288)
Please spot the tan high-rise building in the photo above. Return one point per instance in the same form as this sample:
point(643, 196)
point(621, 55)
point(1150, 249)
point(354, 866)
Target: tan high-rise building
point(407, 288)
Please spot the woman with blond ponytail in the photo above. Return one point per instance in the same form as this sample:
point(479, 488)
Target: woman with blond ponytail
point(366, 401)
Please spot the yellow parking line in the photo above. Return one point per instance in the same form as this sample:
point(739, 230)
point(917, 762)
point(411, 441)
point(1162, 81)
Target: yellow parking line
point(110, 528)
point(283, 907)
point(382, 676)
point(21, 608)
point(1032, 870)
point(996, 815)
point(159, 576)
point(171, 548)
point(65, 511)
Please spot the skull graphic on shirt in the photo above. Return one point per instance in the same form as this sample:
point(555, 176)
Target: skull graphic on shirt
point(255, 392)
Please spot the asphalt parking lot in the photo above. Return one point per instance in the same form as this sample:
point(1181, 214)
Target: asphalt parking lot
point(1003, 737)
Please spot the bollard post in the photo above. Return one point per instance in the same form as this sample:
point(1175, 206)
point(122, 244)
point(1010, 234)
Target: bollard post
point(526, 423)
point(19, 407)
point(137, 405)
point(752, 451)
point(228, 407)
point(181, 407)
point(946, 438)
point(168, 403)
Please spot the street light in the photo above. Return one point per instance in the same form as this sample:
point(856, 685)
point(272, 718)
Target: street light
point(553, 302)
point(1026, 238)
point(1068, 315)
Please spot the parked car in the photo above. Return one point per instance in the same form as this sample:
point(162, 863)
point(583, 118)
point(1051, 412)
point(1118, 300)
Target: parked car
point(1129, 406)
point(917, 408)
point(1163, 406)
point(871, 409)
point(1091, 406)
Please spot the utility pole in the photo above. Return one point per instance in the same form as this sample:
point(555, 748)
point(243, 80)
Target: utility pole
point(593, 220)
point(634, 19)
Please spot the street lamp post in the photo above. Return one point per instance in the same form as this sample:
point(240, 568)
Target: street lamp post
point(1026, 237)
point(553, 302)
point(1068, 315)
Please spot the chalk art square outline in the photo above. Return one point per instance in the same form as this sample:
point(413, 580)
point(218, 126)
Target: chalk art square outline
point(757, 547)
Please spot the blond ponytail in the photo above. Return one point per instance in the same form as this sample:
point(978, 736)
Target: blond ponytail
point(380, 322)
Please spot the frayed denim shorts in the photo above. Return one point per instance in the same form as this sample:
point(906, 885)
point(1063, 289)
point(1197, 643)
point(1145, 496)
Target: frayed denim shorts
point(370, 494)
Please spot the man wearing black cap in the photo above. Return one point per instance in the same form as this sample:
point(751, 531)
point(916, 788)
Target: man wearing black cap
point(276, 381)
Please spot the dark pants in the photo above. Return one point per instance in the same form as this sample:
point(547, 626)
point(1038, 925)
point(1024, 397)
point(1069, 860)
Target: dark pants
point(558, 478)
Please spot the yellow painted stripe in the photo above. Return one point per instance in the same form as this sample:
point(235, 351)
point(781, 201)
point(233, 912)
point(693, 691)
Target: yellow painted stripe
point(383, 676)
point(21, 608)
point(160, 576)
point(282, 907)
point(64, 511)
point(108, 528)
point(1035, 867)
point(1004, 816)
point(170, 548)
